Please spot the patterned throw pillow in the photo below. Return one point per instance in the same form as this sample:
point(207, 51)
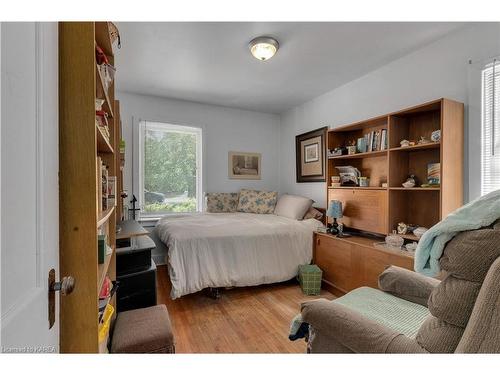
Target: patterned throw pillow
point(257, 202)
point(313, 214)
point(222, 202)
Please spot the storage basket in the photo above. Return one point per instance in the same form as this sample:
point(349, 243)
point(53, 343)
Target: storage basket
point(104, 328)
point(310, 279)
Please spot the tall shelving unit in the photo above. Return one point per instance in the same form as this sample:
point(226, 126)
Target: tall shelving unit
point(379, 209)
point(81, 142)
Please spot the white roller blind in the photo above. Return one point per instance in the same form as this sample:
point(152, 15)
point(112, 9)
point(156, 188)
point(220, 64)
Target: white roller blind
point(490, 133)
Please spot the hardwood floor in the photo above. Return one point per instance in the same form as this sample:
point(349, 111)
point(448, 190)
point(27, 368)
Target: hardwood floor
point(242, 320)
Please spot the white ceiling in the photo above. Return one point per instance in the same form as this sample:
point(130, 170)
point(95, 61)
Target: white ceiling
point(210, 62)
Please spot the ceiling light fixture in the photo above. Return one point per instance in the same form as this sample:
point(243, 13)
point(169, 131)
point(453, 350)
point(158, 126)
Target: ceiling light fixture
point(263, 47)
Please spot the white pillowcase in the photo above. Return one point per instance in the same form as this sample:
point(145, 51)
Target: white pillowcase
point(292, 206)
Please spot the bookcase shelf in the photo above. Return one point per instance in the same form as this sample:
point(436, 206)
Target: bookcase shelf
point(360, 155)
point(83, 149)
point(104, 216)
point(416, 189)
point(102, 269)
point(103, 143)
point(417, 147)
point(357, 187)
point(103, 93)
point(379, 210)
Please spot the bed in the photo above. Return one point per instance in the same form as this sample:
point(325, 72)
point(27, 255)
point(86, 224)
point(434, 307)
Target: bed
point(215, 250)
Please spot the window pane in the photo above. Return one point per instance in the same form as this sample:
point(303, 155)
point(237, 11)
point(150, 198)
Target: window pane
point(169, 171)
point(490, 148)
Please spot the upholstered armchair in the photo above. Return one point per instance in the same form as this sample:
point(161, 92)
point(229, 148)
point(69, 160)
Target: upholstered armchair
point(411, 313)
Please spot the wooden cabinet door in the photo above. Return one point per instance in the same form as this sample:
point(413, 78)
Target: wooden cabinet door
point(335, 258)
point(363, 209)
point(376, 261)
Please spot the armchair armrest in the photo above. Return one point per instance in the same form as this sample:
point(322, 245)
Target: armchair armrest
point(407, 285)
point(354, 331)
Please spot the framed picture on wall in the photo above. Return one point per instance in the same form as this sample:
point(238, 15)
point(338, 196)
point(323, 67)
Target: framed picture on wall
point(310, 156)
point(244, 165)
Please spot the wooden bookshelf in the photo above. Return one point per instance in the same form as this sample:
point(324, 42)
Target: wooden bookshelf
point(379, 210)
point(81, 143)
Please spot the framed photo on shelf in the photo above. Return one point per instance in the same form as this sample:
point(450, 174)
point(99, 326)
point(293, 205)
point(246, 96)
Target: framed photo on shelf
point(310, 156)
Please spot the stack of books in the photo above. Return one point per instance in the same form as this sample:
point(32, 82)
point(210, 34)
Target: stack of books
point(101, 120)
point(106, 187)
point(376, 140)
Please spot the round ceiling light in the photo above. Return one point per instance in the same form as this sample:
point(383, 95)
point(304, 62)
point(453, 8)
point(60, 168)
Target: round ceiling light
point(263, 47)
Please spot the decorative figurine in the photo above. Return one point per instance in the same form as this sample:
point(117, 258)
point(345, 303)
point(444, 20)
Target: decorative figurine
point(410, 182)
point(402, 228)
point(423, 141)
point(404, 143)
point(436, 136)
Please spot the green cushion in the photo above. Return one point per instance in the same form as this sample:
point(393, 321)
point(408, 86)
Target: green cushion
point(398, 314)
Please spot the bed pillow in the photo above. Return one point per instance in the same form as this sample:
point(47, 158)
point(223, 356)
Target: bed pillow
point(222, 202)
point(313, 213)
point(293, 206)
point(257, 202)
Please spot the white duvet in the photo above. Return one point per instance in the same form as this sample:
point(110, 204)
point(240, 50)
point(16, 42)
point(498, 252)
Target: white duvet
point(233, 249)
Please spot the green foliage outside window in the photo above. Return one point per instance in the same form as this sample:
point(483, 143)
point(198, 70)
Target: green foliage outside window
point(169, 171)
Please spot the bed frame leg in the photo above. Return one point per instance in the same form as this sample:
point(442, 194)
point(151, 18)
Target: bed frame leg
point(214, 293)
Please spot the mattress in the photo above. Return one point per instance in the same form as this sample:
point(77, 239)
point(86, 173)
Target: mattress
point(233, 249)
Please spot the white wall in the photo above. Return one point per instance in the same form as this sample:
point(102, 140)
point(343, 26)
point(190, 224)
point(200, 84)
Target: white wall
point(224, 129)
point(438, 70)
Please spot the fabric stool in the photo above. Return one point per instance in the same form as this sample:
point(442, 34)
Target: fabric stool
point(145, 330)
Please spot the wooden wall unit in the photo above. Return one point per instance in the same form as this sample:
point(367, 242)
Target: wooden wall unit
point(349, 263)
point(81, 141)
point(379, 209)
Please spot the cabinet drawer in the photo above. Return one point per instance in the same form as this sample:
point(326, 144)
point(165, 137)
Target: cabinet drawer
point(334, 257)
point(363, 209)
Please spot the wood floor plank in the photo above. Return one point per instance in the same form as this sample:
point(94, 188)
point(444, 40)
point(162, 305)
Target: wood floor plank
point(243, 320)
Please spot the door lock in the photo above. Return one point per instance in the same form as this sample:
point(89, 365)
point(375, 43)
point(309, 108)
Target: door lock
point(65, 286)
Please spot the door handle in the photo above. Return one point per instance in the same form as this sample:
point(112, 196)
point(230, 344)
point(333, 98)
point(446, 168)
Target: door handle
point(65, 286)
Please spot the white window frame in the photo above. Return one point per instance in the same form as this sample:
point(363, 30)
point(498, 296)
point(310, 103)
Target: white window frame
point(162, 126)
point(490, 129)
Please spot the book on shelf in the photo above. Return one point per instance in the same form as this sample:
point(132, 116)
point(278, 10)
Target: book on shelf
point(375, 140)
point(104, 187)
point(111, 201)
point(434, 174)
point(383, 140)
point(99, 184)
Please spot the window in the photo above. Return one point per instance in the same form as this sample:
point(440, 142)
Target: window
point(490, 147)
point(170, 168)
